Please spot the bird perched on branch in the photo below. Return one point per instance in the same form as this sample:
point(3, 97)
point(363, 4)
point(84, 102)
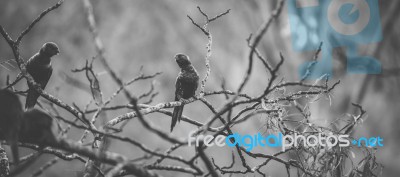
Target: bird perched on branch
point(10, 117)
point(185, 86)
point(38, 128)
point(39, 67)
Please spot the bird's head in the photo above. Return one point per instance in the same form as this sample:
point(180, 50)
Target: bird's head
point(182, 60)
point(50, 49)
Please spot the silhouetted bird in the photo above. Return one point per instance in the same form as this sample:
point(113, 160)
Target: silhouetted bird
point(39, 67)
point(38, 128)
point(10, 117)
point(186, 85)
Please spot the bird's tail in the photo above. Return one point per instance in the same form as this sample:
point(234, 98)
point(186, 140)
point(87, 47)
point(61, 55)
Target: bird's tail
point(31, 99)
point(13, 139)
point(14, 150)
point(176, 116)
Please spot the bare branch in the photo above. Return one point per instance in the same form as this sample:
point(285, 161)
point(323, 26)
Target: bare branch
point(260, 33)
point(209, 44)
point(311, 65)
point(29, 28)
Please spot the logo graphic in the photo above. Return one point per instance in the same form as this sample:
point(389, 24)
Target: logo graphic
point(336, 23)
point(249, 142)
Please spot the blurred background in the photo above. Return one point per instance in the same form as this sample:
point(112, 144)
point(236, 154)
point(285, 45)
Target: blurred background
point(149, 34)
